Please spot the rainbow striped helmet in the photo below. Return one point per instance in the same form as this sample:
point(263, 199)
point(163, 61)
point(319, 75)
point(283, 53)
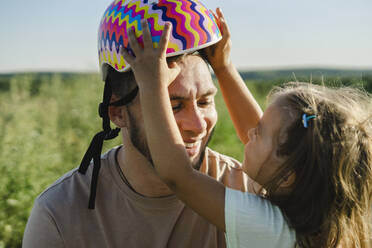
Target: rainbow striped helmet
point(194, 27)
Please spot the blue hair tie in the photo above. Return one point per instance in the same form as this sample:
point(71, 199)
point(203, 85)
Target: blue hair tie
point(305, 119)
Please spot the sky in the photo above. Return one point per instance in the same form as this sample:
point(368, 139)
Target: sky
point(51, 35)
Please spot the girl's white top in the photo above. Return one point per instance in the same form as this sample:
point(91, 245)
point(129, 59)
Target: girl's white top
point(254, 222)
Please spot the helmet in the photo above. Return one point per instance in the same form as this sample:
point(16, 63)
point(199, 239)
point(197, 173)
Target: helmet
point(194, 27)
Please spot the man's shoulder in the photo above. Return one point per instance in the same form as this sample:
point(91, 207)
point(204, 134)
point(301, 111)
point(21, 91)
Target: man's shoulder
point(58, 185)
point(225, 169)
point(222, 160)
point(71, 186)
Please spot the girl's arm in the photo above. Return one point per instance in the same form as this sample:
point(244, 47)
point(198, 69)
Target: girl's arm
point(153, 75)
point(243, 108)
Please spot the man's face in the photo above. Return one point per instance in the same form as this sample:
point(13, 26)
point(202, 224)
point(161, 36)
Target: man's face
point(192, 98)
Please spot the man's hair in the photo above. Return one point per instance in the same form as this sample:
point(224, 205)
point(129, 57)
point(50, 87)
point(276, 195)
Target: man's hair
point(122, 83)
point(329, 202)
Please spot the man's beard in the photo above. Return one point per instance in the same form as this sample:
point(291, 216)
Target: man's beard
point(138, 139)
point(199, 162)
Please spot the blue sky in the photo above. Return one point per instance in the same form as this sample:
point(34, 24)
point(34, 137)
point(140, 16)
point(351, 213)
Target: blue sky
point(50, 35)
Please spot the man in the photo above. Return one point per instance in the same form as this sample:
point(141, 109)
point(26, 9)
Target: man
point(133, 207)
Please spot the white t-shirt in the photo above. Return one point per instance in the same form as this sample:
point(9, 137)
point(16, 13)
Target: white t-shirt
point(254, 222)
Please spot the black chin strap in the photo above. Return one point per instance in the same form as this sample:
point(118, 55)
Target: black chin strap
point(95, 147)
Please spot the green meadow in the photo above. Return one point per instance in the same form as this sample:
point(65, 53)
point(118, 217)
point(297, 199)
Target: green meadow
point(48, 119)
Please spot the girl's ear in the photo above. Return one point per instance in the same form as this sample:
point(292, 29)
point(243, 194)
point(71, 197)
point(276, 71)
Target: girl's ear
point(117, 114)
point(288, 180)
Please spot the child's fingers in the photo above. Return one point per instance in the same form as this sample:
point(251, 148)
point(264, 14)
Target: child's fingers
point(225, 30)
point(214, 14)
point(163, 43)
point(217, 19)
point(133, 42)
point(147, 41)
point(219, 13)
point(127, 57)
point(225, 27)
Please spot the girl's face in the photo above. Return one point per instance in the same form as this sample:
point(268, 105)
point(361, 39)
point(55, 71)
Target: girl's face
point(260, 161)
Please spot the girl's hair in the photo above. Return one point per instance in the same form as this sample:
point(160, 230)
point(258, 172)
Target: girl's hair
point(329, 203)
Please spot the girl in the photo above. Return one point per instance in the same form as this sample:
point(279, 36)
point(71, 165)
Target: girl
point(311, 150)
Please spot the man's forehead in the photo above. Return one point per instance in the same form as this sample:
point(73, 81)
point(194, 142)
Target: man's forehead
point(194, 79)
point(187, 89)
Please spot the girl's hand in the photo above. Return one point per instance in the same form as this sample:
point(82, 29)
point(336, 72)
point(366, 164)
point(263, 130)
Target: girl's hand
point(149, 64)
point(219, 54)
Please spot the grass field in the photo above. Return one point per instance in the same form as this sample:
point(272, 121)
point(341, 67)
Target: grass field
point(47, 121)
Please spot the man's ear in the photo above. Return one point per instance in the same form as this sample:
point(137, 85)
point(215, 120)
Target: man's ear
point(117, 114)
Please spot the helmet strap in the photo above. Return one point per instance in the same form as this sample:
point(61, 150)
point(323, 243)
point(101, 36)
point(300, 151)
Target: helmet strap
point(95, 147)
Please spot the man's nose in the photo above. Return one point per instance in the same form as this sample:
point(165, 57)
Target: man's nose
point(193, 121)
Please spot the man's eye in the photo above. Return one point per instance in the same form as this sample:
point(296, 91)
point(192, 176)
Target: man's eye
point(176, 107)
point(205, 103)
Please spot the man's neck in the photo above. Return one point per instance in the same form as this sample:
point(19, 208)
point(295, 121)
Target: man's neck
point(140, 173)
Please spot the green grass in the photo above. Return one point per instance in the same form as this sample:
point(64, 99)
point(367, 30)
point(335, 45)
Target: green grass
point(47, 121)
point(46, 128)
